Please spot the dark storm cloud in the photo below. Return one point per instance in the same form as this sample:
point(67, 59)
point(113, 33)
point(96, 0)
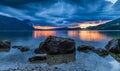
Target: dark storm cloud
point(20, 2)
point(57, 12)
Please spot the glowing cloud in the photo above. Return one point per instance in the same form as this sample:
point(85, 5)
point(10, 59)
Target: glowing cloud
point(113, 1)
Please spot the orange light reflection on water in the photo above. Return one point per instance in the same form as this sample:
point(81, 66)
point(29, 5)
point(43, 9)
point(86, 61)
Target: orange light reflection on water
point(87, 35)
point(38, 34)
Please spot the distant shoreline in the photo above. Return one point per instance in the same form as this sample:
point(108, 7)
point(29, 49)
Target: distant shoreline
point(52, 30)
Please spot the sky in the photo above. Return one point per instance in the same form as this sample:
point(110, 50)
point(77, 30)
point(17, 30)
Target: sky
point(113, 1)
point(60, 12)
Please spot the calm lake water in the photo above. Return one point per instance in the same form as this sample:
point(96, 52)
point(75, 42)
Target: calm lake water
point(89, 61)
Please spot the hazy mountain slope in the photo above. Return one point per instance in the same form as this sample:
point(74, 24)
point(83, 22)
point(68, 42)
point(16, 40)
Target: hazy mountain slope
point(8, 23)
point(112, 25)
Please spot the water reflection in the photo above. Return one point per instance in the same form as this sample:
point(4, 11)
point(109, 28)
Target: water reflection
point(4, 49)
point(58, 59)
point(87, 35)
point(15, 35)
point(82, 35)
point(111, 33)
point(38, 34)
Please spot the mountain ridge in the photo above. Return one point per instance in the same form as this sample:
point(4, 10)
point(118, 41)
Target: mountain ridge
point(112, 25)
point(11, 23)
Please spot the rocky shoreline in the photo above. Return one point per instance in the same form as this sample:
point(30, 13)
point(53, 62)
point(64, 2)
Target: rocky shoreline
point(64, 48)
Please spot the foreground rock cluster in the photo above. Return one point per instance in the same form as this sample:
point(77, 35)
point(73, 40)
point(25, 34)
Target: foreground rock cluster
point(60, 46)
point(112, 48)
point(57, 45)
point(54, 46)
point(99, 51)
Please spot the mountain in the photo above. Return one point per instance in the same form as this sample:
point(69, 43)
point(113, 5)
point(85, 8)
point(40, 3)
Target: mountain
point(112, 25)
point(63, 28)
point(67, 28)
point(9, 23)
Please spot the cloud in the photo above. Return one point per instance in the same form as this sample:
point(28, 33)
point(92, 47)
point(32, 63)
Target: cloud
point(57, 12)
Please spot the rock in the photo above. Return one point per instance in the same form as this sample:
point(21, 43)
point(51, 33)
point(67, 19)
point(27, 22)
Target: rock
point(22, 48)
point(58, 45)
point(113, 46)
point(37, 58)
point(85, 48)
point(115, 56)
point(61, 58)
point(101, 52)
point(40, 50)
point(5, 44)
point(56, 67)
point(8, 42)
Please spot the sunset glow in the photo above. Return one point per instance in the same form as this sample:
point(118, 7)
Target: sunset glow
point(87, 35)
point(91, 36)
point(38, 34)
point(44, 27)
point(90, 23)
point(81, 25)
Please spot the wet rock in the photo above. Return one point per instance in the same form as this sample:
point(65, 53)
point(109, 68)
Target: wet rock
point(56, 67)
point(40, 50)
point(101, 52)
point(22, 48)
point(58, 45)
point(115, 56)
point(5, 45)
point(37, 58)
point(113, 46)
point(61, 58)
point(85, 48)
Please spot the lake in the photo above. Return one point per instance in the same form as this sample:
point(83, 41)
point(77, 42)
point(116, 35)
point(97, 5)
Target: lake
point(12, 58)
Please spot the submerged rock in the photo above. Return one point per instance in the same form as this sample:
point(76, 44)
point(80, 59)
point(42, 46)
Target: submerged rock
point(113, 46)
point(53, 59)
point(58, 45)
point(115, 56)
point(61, 58)
point(22, 48)
point(101, 52)
point(5, 45)
point(85, 48)
point(37, 58)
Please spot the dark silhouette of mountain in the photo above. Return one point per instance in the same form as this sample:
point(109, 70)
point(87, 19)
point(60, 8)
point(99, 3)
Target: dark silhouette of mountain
point(63, 28)
point(112, 25)
point(9, 23)
point(67, 28)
